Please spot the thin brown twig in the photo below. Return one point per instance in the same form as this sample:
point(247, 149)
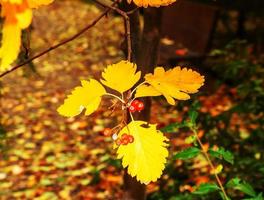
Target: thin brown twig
point(210, 164)
point(127, 28)
point(65, 41)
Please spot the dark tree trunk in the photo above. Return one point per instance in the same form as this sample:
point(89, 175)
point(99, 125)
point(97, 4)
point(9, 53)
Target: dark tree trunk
point(145, 54)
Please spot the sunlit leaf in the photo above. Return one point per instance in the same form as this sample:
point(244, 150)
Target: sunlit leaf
point(154, 3)
point(145, 158)
point(10, 45)
point(146, 91)
point(173, 84)
point(17, 15)
point(121, 76)
point(88, 96)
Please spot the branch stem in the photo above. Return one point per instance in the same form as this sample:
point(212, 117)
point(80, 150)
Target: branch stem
point(127, 27)
point(117, 97)
point(65, 41)
point(210, 164)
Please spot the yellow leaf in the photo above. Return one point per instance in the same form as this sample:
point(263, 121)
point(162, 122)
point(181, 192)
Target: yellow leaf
point(86, 96)
point(147, 91)
point(146, 156)
point(24, 18)
point(10, 45)
point(17, 15)
point(37, 3)
point(173, 84)
point(13, 1)
point(121, 76)
point(153, 3)
point(217, 170)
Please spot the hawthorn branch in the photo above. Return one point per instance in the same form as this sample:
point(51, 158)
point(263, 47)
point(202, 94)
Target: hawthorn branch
point(65, 41)
point(127, 26)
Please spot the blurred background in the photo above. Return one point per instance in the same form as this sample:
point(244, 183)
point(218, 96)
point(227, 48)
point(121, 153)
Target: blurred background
point(45, 156)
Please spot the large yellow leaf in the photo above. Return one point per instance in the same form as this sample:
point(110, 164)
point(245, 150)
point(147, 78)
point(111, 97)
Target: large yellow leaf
point(121, 76)
point(173, 84)
point(153, 3)
point(145, 158)
point(88, 96)
point(37, 3)
point(147, 91)
point(11, 38)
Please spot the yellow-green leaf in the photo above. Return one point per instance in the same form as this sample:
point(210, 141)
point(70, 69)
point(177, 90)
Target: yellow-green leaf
point(121, 76)
point(173, 84)
point(145, 158)
point(88, 96)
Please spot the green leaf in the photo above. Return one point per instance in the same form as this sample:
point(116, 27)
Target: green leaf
point(259, 197)
point(188, 153)
point(245, 187)
point(222, 154)
point(172, 128)
point(193, 116)
point(191, 139)
point(206, 188)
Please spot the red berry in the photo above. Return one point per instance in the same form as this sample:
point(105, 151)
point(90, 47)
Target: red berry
point(135, 103)
point(132, 109)
point(140, 106)
point(107, 132)
point(124, 141)
point(130, 139)
point(124, 136)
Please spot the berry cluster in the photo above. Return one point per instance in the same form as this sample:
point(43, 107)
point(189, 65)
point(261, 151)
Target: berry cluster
point(125, 139)
point(136, 105)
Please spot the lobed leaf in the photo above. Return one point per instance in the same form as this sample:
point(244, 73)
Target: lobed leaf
point(121, 76)
point(173, 84)
point(88, 96)
point(145, 158)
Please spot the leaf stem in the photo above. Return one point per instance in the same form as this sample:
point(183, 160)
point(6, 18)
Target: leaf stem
point(117, 97)
point(133, 91)
point(132, 118)
point(210, 163)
